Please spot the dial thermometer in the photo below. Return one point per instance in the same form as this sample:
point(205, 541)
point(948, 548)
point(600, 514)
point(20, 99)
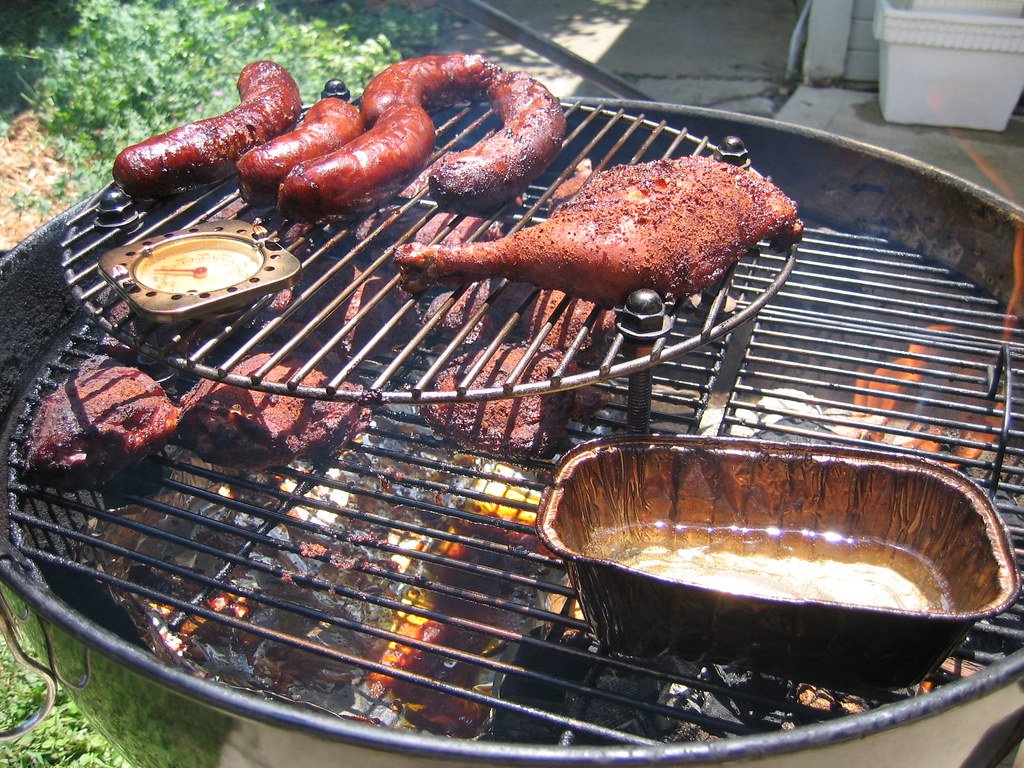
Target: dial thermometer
point(204, 271)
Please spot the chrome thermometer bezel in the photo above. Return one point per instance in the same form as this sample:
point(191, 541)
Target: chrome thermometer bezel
point(221, 267)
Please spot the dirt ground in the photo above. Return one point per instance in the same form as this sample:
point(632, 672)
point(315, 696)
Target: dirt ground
point(28, 171)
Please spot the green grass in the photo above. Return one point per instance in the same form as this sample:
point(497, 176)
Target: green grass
point(63, 739)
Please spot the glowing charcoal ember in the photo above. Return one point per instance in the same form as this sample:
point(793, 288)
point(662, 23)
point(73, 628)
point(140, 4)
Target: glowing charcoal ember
point(342, 564)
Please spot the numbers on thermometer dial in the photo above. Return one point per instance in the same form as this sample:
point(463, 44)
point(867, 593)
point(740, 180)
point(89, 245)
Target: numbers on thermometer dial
point(192, 267)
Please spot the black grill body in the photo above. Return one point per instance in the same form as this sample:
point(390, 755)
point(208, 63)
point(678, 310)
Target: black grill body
point(871, 213)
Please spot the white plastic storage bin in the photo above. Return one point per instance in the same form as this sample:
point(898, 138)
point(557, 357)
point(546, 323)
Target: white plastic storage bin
point(947, 68)
point(979, 7)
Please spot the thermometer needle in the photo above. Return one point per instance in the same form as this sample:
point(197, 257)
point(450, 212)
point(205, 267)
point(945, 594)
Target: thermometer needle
point(194, 272)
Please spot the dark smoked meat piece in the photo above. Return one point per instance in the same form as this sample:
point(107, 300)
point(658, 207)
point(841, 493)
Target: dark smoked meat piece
point(572, 315)
point(518, 428)
point(104, 419)
point(672, 225)
point(243, 428)
point(371, 304)
point(567, 316)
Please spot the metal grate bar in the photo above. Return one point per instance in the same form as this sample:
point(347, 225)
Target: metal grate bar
point(869, 344)
point(213, 584)
point(258, 596)
point(366, 664)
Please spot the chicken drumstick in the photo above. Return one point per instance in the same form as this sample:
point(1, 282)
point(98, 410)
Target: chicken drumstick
point(672, 225)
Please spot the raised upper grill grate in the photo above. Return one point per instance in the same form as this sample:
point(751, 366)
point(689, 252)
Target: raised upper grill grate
point(349, 319)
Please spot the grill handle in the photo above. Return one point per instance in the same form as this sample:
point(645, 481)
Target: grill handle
point(7, 629)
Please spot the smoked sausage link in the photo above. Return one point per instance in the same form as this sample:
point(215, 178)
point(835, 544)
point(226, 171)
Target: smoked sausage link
point(502, 166)
point(364, 173)
point(396, 147)
point(429, 82)
point(498, 168)
point(329, 124)
point(207, 150)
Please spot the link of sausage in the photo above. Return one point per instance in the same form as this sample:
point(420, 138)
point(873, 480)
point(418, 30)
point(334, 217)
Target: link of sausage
point(477, 180)
point(395, 149)
point(503, 165)
point(207, 150)
point(364, 173)
point(329, 124)
point(429, 82)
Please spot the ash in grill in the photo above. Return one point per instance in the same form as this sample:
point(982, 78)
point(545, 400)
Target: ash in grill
point(401, 583)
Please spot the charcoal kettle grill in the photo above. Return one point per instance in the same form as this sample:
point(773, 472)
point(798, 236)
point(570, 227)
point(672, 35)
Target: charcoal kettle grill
point(203, 617)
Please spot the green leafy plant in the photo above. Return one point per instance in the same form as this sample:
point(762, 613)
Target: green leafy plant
point(127, 70)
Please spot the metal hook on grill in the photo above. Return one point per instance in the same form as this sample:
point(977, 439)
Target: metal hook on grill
point(82, 681)
point(643, 320)
point(1002, 370)
point(11, 638)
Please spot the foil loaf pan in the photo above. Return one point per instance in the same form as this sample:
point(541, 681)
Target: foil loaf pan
point(827, 565)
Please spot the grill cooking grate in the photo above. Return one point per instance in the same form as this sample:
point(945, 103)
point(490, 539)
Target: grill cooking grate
point(348, 317)
point(404, 586)
point(882, 346)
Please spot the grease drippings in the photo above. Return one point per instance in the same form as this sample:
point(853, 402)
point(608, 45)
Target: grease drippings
point(775, 563)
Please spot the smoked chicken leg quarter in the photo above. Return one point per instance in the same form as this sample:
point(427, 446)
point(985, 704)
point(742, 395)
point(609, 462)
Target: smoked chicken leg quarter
point(672, 225)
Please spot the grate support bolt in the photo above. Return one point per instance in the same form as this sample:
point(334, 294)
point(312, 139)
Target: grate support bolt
point(335, 89)
point(116, 210)
point(642, 321)
point(643, 317)
point(731, 150)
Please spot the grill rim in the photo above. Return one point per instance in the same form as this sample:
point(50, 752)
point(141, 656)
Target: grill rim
point(249, 706)
point(28, 584)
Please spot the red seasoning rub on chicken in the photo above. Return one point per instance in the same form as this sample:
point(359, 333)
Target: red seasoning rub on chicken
point(104, 419)
point(672, 225)
point(517, 428)
point(249, 429)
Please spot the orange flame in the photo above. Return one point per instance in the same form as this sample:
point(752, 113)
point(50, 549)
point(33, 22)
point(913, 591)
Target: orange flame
point(895, 376)
point(1015, 307)
point(894, 381)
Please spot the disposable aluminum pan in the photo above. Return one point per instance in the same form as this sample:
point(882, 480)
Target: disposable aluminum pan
point(821, 564)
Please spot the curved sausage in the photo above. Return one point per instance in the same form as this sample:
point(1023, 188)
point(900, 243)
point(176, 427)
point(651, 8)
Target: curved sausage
point(381, 162)
point(429, 82)
point(364, 173)
point(207, 150)
point(502, 166)
point(329, 124)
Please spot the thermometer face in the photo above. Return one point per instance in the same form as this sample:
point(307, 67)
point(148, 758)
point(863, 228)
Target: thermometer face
point(205, 271)
point(197, 265)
